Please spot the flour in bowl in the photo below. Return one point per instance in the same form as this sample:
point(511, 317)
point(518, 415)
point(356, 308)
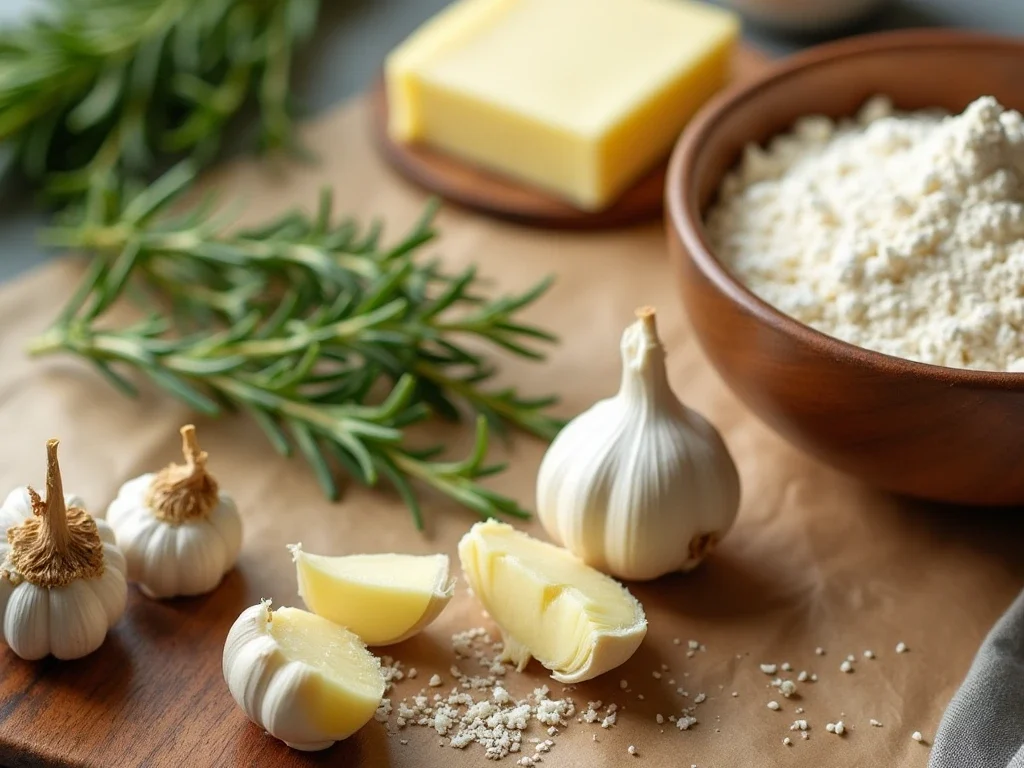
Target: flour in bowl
point(898, 232)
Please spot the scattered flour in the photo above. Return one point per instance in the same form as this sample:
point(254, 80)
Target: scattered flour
point(480, 711)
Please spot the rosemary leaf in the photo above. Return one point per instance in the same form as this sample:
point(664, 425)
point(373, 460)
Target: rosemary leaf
point(94, 93)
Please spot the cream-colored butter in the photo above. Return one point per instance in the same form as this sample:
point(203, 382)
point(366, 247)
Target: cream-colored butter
point(577, 97)
point(549, 604)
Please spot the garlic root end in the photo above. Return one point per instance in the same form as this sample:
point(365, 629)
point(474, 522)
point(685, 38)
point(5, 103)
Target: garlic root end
point(184, 492)
point(57, 545)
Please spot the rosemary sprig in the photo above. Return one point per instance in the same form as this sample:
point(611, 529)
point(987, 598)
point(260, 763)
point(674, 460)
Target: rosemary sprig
point(97, 92)
point(331, 342)
point(302, 324)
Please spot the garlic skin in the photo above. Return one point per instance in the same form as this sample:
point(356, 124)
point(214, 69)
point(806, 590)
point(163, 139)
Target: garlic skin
point(639, 485)
point(309, 706)
point(179, 533)
point(62, 577)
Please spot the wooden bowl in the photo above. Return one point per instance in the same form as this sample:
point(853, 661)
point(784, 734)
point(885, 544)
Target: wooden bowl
point(927, 431)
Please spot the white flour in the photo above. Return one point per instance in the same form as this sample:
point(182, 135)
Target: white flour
point(902, 233)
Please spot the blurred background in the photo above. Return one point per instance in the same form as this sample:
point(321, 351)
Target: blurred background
point(354, 36)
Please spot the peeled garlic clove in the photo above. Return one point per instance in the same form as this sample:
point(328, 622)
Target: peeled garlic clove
point(300, 677)
point(549, 605)
point(384, 598)
point(639, 485)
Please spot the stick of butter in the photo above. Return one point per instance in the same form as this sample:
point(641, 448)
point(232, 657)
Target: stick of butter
point(576, 97)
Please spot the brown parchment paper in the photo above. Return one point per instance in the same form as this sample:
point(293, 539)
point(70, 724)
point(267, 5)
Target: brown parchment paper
point(815, 559)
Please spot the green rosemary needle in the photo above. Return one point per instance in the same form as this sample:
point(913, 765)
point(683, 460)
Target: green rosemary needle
point(94, 92)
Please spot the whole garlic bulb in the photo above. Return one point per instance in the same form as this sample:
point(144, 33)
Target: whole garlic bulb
point(639, 485)
point(62, 582)
point(179, 533)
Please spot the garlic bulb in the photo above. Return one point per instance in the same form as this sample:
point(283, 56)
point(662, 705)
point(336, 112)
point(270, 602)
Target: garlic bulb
point(639, 485)
point(62, 583)
point(178, 532)
point(302, 678)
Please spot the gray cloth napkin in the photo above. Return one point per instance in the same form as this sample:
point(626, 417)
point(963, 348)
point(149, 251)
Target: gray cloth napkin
point(984, 724)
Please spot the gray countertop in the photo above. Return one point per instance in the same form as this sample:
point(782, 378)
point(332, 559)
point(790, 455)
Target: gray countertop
point(354, 35)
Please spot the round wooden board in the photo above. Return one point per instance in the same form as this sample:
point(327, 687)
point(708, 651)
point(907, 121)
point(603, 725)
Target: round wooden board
point(502, 198)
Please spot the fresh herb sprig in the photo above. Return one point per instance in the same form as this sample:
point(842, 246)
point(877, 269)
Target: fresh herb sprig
point(96, 92)
point(331, 342)
point(302, 324)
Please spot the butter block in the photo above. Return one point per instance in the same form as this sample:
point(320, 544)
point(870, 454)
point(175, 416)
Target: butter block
point(576, 97)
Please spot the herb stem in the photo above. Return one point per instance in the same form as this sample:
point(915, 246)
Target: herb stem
point(332, 343)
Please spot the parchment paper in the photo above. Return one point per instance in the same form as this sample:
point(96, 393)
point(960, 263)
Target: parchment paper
point(816, 559)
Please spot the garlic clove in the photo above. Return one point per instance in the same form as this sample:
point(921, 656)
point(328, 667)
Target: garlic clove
point(226, 521)
point(128, 498)
point(6, 589)
point(302, 678)
point(383, 598)
point(78, 620)
point(549, 604)
point(112, 591)
point(17, 507)
point(199, 554)
point(134, 533)
point(106, 533)
point(114, 558)
point(27, 622)
point(157, 571)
